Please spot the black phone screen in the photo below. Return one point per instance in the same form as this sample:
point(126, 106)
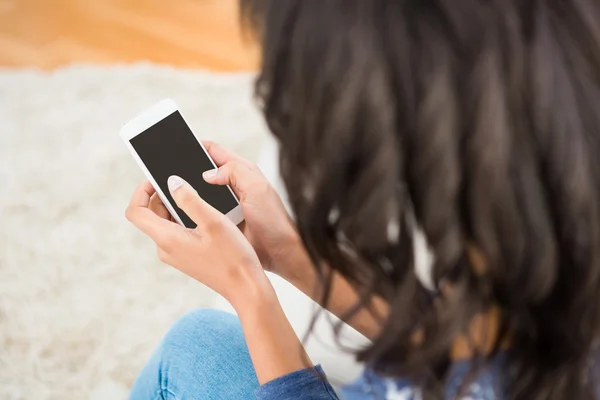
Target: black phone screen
point(170, 148)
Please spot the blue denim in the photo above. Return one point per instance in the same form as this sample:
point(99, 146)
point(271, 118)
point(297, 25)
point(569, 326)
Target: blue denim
point(309, 384)
point(204, 356)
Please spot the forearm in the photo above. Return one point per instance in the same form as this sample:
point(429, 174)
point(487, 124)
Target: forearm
point(296, 267)
point(273, 345)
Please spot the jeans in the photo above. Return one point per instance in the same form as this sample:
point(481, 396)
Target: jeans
point(203, 356)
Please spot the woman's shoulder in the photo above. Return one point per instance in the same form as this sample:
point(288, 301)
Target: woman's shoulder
point(487, 385)
point(490, 383)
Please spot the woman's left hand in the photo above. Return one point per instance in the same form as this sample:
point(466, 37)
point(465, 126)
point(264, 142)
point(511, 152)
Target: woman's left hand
point(215, 253)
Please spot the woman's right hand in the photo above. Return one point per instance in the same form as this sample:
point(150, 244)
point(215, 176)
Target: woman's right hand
point(272, 233)
point(267, 226)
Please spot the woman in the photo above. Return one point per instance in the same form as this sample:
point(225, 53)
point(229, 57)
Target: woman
point(467, 127)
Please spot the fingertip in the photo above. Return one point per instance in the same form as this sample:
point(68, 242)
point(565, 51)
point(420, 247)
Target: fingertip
point(183, 193)
point(174, 182)
point(141, 195)
point(210, 175)
point(146, 187)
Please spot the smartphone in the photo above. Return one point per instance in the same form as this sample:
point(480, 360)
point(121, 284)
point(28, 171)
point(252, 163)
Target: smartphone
point(163, 144)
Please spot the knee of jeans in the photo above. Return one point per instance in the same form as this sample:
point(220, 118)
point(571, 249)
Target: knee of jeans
point(203, 332)
point(203, 352)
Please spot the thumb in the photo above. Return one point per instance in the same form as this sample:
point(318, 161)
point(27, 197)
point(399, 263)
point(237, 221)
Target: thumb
point(187, 198)
point(235, 174)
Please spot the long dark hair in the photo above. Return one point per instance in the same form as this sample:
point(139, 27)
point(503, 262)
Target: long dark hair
point(475, 122)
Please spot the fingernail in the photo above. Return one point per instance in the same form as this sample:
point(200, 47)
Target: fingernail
point(211, 173)
point(174, 182)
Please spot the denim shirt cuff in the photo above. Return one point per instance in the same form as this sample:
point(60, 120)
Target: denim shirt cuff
point(308, 384)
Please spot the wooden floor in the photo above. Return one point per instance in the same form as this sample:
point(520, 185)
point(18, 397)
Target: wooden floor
point(185, 33)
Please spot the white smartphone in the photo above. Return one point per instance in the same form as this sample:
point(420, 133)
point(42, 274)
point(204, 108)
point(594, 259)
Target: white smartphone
point(163, 144)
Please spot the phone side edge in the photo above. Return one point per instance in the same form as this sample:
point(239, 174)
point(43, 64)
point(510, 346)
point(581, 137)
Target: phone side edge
point(156, 186)
point(199, 140)
point(236, 215)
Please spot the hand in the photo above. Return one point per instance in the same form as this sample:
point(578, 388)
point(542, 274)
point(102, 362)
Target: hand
point(268, 227)
point(214, 253)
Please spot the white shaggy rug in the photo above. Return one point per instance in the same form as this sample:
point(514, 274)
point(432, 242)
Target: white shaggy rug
point(82, 298)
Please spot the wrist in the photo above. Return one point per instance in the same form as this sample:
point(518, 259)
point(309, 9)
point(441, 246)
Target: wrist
point(290, 255)
point(250, 289)
point(297, 268)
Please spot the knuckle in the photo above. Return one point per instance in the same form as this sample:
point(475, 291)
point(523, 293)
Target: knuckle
point(163, 256)
point(263, 187)
point(240, 165)
point(214, 225)
point(129, 214)
point(165, 242)
point(234, 173)
point(186, 197)
point(233, 167)
point(254, 168)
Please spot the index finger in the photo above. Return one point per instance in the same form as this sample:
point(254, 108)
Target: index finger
point(141, 196)
point(143, 218)
point(221, 155)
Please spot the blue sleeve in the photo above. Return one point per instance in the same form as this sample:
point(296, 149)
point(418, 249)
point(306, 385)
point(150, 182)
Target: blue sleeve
point(306, 384)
